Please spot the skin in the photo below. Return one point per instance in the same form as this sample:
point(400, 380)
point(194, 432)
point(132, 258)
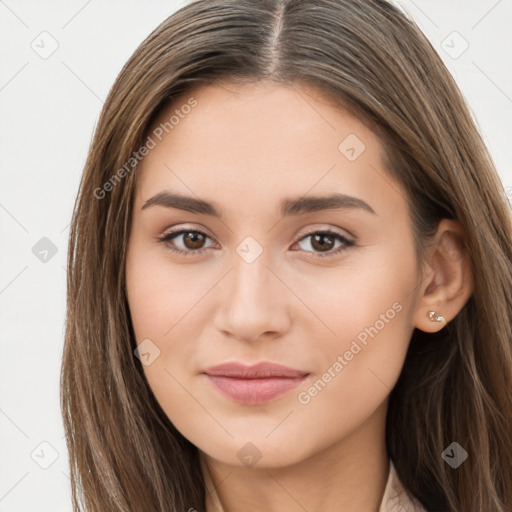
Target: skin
point(244, 149)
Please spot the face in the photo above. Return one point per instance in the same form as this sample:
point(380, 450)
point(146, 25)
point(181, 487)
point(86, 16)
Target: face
point(289, 244)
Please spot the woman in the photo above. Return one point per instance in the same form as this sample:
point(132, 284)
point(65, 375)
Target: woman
point(290, 274)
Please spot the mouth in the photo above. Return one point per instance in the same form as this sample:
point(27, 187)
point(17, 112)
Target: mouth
point(256, 384)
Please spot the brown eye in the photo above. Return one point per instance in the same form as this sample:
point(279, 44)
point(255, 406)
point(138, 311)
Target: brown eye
point(186, 241)
point(193, 240)
point(325, 242)
point(322, 242)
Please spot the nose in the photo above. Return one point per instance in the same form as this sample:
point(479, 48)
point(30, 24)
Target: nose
point(254, 303)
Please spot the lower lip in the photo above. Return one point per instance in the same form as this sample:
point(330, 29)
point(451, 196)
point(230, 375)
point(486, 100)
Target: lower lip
point(254, 391)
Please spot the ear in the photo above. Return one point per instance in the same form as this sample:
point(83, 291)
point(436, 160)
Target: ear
point(447, 280)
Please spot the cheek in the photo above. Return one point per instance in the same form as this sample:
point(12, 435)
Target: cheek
point(165, 308)
point(369, 297)
point(359, 365)
point(159, 294)
point(368, 310)
point(158, 301)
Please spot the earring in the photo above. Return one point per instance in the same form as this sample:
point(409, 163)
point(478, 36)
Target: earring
point(434, 317)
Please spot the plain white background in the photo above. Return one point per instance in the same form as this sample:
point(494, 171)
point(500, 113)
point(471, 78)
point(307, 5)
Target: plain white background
point(49, 106)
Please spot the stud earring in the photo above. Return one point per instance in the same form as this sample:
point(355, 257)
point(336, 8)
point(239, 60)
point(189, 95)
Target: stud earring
point(434, 317)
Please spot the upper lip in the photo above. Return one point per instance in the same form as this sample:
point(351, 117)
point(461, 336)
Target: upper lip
point(260, 370)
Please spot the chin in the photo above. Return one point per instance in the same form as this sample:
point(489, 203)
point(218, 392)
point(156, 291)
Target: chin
point(257, 454)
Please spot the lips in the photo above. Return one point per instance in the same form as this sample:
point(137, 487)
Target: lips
point(256, 384)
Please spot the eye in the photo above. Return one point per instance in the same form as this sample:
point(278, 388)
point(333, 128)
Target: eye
point(190, 241)
point(324, 241)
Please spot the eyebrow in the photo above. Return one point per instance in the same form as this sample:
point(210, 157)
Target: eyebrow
point(294, 206)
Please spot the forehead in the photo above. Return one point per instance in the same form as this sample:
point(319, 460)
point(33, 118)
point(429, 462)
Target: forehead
point(223, 140)
point(255, 112)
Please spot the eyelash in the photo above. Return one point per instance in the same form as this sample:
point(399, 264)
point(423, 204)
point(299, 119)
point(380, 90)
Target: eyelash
point(169, 236)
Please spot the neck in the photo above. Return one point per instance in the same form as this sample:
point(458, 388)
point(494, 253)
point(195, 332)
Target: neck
point(350, 474)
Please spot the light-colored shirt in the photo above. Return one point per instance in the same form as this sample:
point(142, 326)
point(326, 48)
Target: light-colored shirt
point(394, 498)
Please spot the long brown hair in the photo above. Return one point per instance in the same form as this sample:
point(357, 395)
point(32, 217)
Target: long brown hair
point(455, 386)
